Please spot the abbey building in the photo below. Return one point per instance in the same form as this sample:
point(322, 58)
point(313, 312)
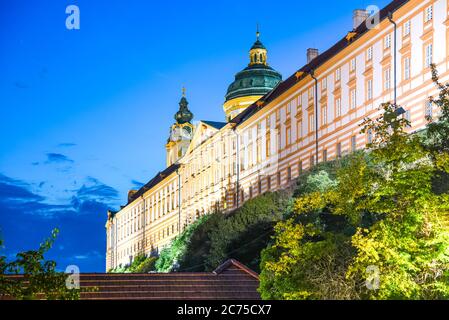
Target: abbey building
point(276, 128)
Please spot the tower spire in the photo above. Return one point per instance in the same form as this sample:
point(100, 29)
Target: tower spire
point(183, 115)
point(258, 53)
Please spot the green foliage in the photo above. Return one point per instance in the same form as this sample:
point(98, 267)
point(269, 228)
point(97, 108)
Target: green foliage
point(244, 233)
point(42, 279)
point(199, 245)
point(140, 264)
point(170, 256)
point(321, 177)
point(241, 234)
point(146, 266)
point(379, 213)
point(437, 132)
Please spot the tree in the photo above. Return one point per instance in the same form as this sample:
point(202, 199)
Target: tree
point(437, 132)
point(246, 231)
point(409, 244)
point(381, 215)
point(40, 278)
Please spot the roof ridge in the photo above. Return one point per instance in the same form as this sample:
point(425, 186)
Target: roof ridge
point(160, 175)
point(232, 262)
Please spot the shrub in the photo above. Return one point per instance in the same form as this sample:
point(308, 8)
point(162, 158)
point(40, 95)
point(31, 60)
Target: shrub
point(170, 256)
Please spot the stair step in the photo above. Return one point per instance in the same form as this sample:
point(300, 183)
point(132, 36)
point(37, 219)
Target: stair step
point(170, 294)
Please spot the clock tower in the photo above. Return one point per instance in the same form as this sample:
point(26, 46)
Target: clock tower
point(180, 132)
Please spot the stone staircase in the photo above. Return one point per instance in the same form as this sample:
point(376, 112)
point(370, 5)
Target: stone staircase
point(231, 281)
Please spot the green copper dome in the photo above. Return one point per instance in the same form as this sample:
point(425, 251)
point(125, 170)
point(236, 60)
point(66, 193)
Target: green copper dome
point(183, 115)
point(256, 79)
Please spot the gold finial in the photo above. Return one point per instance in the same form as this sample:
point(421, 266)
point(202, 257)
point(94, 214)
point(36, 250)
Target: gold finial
point(257, 31)
point(183, 91)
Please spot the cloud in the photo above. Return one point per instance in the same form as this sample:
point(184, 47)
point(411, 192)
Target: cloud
point(94, 190)
point(21, 85)
point(12, 190)
point(87, 255)
point(93, 195)
point(137, 184)
point(26, 218)
point(67, 144)
point(58, 158)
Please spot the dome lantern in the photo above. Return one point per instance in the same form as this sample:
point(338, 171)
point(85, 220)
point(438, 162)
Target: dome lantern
point(250, 84)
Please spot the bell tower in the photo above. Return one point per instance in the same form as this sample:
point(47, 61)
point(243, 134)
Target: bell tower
point(180, 132)
point(250, 84)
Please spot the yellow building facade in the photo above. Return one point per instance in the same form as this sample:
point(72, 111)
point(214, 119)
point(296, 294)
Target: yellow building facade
point(275, 129)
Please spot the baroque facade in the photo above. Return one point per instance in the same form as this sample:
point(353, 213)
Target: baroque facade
point(274, 129)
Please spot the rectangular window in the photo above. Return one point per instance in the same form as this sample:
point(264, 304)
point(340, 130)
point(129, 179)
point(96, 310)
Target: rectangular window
point(324, 84)
point(387, 79)
point(279, 139)
point(339, 150)
point(324, 115)
point(407, 27)
point(299, 129)
point(428, 110)
point(370, 136)
point(428, 14)
point(352, 65)
point(406, 68)
point(352, 99)
point(269, 183)
point(387, 41)
point(338, 74)
point(278, 176)
point(289, 174)
point(369, 54)
point(429, 53)
point(311, 123)
point(250, 155)
point(369, 89)
point(312, 160)
point(353, 143)
point(338, 107)
point(288, 135)
point(267, 144)
point(300, 167)
point(324, 155)
point(408, 118)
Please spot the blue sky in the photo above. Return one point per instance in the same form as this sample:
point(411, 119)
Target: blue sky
point(84, 114)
